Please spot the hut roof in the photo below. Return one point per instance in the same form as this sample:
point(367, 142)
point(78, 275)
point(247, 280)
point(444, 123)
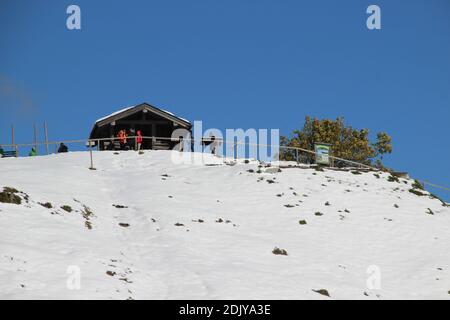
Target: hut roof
point(137, 108)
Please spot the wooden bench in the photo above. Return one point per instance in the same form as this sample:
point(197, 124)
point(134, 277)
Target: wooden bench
point(9, 154)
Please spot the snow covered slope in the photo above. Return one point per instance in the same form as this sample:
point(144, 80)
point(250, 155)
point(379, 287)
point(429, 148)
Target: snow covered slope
point(142, 227)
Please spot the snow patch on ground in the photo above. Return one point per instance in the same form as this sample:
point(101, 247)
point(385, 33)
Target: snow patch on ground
point(143, 227)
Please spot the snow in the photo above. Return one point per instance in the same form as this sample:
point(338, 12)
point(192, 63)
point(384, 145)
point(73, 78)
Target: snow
point(175, 115)
point(184, 119)
point(153, 258)
point(114, 113)
point(168, 112)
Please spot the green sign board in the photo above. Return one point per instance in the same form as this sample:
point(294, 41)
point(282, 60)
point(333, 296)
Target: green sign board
point(322, 153)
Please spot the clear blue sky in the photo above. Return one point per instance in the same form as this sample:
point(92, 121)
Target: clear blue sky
point(232, 64)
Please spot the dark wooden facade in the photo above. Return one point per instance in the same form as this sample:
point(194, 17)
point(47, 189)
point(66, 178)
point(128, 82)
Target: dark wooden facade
point(151, 121)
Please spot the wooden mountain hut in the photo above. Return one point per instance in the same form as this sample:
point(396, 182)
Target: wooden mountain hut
point(156, 126)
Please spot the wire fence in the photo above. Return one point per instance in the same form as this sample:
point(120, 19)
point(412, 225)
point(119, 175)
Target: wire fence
point(215, 145)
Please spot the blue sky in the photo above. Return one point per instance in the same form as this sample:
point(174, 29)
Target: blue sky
point(234, 64)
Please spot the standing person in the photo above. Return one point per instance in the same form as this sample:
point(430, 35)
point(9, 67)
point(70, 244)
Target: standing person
point(132, 139)
point(213, 145)
point(139, 140)
point(119, 136)
point(33, 152)
point(122, 139)
point(1, 152)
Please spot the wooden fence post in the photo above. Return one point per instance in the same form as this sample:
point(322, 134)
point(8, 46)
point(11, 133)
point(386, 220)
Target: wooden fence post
point(46, 136)
point(16, 149)
point(90, 153)
point(35, 138)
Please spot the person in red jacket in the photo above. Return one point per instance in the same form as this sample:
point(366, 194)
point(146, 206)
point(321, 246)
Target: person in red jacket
point(122, 139)
point(138, 140)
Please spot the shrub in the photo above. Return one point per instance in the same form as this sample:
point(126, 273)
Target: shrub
point(417, 192)
point(392, 178)
point(444, 204)
point(417, 185)
point(8, 195)
point(47, 205)
point(66, 208)
point(347, 142)
point(323, 292)
point(382, 146)
point(10, 190)
point(302, 222)
point(86, 212)
point(278, 251)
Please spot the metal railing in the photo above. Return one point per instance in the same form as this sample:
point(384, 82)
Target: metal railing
point(299, 153)
point(101, 143)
